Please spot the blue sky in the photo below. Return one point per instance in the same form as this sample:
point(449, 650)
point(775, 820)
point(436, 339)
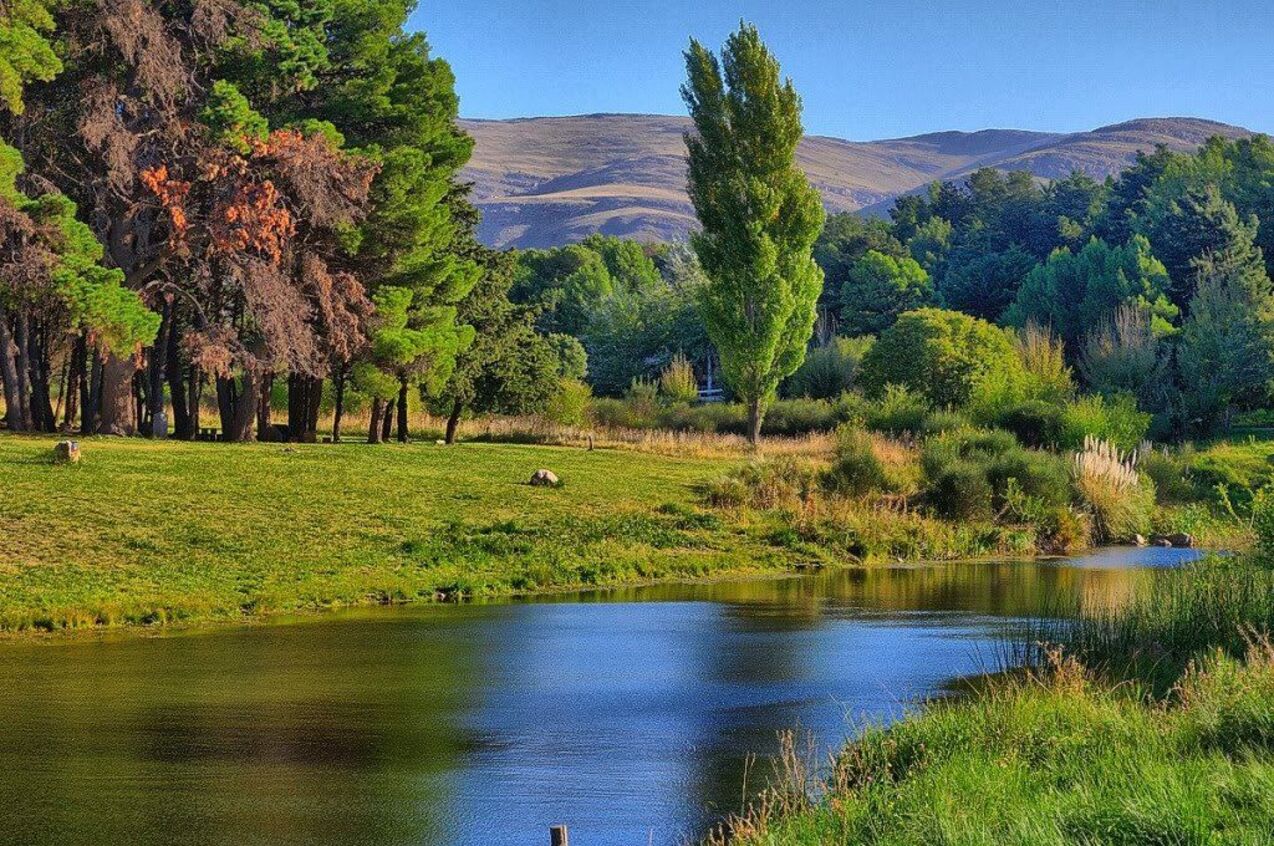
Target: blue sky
point(878, 69)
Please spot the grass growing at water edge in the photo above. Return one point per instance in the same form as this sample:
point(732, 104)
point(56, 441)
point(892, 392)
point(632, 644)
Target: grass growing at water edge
point(1150, 724)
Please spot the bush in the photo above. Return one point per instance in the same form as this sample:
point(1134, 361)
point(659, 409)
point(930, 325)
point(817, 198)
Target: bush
point(1045, 373)
point(898, 411)
point(781, 482)
point(959, 490)
point(1263, 521)
point(677, 383)
point(1170, 474)
point(940, 422)
point(1115, 420)
point(1036, 423)
point(1120, 500)
point(799, 416)
point(570, 405)
point(1041, 476)
point(856, 470)
point(941, 355)
point(1003, 464)
point(830, 370)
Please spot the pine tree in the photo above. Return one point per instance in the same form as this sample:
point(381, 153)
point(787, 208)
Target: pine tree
point(760, 216)
point(1226, 355)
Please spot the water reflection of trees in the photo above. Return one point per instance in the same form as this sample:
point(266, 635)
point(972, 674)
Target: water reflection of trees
point(309, 734)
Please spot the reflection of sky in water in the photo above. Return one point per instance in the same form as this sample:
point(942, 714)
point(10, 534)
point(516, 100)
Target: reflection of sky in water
point(693, 692)
point(622, 713)
point(1119, 557)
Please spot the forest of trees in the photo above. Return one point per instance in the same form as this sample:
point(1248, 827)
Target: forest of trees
point(255, 207)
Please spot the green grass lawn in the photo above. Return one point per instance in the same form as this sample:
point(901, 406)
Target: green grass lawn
point(155, 532)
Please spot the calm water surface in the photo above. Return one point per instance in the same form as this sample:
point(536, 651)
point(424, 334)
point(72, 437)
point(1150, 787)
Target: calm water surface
point(626, 714)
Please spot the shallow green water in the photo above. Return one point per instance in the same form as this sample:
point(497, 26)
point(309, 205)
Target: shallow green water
point(626, 714)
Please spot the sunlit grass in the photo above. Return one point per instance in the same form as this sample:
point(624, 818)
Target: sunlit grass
point(153, 532)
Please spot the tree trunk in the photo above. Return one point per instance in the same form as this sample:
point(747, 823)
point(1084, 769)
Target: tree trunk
point(387, 425)
point(91, 407)
point(194, 397)
point(755, 415)
point(373, 428)
point(453, 420)
point(116, 417)
point(305, 394)
point(20, 335)
point(156, 371)
point(141, 417)
point(238, 406)
point(183, 426)
point(76, 377)
point(41, 373)
point(402, 411)
point(63, 386)
point(9, 376)
point(263, 407)
point(338, 381)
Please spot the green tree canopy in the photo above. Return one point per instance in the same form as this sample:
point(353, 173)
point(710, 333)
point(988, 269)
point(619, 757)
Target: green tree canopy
point(942, 355)
point(1226, 355)
point(1075, 293)
point(880, 287)
point(760, 216)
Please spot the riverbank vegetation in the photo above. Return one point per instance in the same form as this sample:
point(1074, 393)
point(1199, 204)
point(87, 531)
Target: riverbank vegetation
point(146, 532)
point(1151, 723)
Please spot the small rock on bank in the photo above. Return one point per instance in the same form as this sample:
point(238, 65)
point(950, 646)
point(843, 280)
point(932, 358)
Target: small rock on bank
point(66, 452)
point(1181, 540)
point(544, 479)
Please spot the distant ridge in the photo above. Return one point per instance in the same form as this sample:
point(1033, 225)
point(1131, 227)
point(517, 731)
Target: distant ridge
point(549, 181)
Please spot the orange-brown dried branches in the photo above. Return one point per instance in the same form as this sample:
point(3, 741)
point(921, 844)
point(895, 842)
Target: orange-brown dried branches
point(328, 187)
point(138, 31)
point(343, 307)
point(25, 257)
point(261, 228)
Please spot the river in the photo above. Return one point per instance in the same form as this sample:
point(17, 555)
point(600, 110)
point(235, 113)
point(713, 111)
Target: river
point(625, 714)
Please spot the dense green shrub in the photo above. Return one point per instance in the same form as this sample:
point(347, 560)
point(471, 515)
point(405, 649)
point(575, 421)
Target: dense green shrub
point(942, 355)
point(571, 404)
point(856, 470)
point(959, 490)
point(898, 411)
point(1263, 521)
point(677, 383)
point(830, 370)
point(1002, 467)
point(777, 483)
point(1036, 423)
point(1114, 419)
point(1039, 475)
point(938, 422)
point(800, 416)
point(716, 417)
point(1170, 473)
point(1045, 374)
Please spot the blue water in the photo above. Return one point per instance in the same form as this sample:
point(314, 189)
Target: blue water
point(627, 715)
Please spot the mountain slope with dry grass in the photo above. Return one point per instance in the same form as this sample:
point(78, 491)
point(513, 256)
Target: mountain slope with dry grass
point(549, 181)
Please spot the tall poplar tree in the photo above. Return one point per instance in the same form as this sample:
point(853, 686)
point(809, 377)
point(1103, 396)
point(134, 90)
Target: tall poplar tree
point(760, 216)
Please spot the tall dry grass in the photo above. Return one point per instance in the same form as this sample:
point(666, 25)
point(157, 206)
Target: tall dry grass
point(1120, 499)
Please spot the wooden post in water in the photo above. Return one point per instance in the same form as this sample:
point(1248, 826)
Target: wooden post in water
point(558, 836)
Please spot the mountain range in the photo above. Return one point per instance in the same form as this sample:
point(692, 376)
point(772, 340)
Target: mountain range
point(554, 180)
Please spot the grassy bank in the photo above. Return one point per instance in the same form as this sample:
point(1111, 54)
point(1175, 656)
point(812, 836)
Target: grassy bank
point(1166, 736)
point(145, 532)
point(152, 532)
